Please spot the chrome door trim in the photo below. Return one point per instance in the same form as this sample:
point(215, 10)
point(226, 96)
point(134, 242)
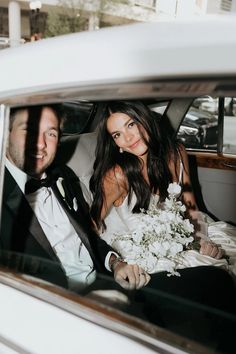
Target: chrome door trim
point(4, 123)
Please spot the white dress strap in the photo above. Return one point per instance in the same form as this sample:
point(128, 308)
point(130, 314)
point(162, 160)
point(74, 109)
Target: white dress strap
point(181, 169)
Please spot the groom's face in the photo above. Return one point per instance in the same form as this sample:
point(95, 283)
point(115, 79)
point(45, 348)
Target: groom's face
point(32, 142)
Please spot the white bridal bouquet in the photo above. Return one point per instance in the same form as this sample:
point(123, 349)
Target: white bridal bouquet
point(160, 236)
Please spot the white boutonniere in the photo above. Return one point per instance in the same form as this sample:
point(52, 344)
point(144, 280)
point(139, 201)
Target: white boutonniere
point(63, 194)
point(60, 187)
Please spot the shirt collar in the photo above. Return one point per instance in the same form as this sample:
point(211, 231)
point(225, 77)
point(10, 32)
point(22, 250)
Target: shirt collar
point(19, 176)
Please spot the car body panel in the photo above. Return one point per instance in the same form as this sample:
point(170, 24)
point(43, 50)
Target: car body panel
point(149, 51)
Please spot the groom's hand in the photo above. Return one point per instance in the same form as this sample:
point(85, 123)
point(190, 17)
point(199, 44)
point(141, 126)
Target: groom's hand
point(130, 276)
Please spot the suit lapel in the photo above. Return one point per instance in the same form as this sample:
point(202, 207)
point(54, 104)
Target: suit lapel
point(73, 217)
point(15, 200)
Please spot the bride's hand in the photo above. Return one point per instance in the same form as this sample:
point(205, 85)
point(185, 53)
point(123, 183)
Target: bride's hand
point(130, 276)
point(211, 249)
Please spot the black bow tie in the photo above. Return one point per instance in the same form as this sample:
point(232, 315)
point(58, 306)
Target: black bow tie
point(33, 184)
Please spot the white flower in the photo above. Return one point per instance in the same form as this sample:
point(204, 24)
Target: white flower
point(174, 189)
point(137, 235)
point(60, 187)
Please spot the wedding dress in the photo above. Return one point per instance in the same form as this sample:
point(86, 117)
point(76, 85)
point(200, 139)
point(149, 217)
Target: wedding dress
point(121, 221)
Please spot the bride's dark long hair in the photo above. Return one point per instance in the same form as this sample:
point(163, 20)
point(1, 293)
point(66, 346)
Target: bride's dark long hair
point(161, 147)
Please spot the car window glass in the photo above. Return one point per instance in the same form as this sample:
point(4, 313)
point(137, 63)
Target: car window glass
point(79, 115)
point(229, 135)
point(200, 125)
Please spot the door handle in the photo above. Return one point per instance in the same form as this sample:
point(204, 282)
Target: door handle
point(230, 165)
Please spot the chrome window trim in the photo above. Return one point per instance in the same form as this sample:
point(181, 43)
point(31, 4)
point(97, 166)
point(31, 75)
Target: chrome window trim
point(7, 346)
point(220, 125)
point(4, 123)
point(189, 87)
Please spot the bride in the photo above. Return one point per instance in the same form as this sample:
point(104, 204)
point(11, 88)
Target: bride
point(135, 164)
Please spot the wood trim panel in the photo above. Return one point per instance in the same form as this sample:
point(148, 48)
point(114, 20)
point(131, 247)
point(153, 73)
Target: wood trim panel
point(214, 160)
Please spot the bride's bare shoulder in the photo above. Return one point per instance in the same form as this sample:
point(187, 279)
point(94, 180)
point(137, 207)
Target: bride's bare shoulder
point(114, 187)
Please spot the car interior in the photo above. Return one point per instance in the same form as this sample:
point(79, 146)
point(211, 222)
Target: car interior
point(212, 171)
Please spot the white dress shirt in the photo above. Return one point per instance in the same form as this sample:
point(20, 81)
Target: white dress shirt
point(59, 231)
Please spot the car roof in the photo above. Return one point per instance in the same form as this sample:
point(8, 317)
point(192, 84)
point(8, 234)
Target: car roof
point(125, 54)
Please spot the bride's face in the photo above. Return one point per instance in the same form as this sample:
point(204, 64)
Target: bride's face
point(127, 134)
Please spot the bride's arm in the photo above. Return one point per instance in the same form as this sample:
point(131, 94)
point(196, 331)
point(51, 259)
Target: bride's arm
point(129, 276)
point(207, 247)
point(187, 190)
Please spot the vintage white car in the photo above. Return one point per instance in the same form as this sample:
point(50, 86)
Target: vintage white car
point(169, 66)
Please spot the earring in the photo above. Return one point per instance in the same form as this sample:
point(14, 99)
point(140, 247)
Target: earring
point(121, 150)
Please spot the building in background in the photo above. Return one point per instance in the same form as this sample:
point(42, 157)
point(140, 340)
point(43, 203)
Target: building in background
point(25, 20)
point(93, 14)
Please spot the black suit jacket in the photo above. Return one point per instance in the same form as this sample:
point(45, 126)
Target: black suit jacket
point(21, 232)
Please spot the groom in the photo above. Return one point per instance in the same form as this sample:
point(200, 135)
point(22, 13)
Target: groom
point(44, 212)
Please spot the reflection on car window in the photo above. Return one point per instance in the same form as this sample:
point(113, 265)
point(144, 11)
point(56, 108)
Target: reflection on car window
point(77, 116)
point(200, 126)
point(37, 267)
point(217, 326)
